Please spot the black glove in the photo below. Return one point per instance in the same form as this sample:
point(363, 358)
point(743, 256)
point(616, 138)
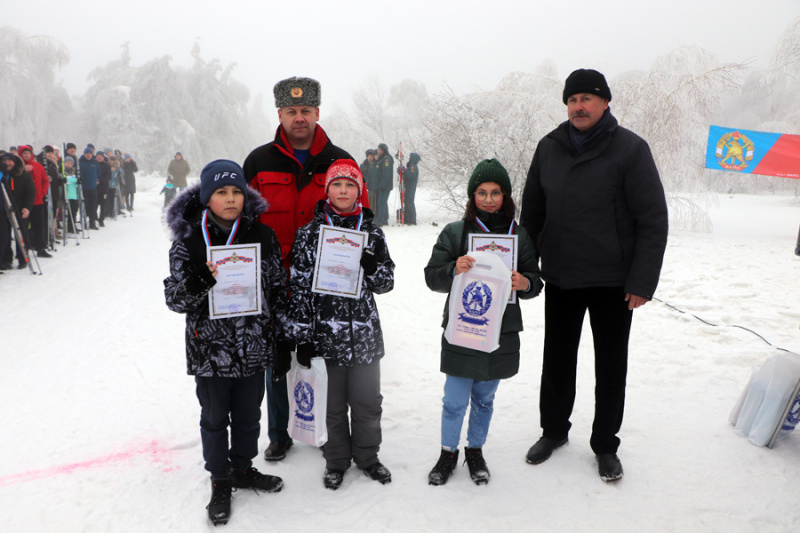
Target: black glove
point(304, 354)
point(200, 280)
point(283, 360)
point(369, 262)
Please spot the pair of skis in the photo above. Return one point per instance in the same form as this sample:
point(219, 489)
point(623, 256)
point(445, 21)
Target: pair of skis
point(401, 191)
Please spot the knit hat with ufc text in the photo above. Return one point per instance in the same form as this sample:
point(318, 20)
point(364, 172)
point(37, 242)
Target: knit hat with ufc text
point(218, 174)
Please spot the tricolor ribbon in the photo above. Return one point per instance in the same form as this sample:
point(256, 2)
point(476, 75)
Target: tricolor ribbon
point(207, 236)
point(486, 229)
point(358, 226)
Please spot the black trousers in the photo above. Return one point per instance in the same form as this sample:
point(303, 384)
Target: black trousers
point(610, 320)
point(234, 402)
point(5, 231)
point(39, 229)
point(90, 205)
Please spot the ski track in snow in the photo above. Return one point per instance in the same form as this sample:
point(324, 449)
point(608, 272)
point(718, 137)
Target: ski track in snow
point(101, 422)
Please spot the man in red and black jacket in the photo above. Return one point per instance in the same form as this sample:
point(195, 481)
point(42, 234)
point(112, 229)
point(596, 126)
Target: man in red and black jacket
point(289, 172)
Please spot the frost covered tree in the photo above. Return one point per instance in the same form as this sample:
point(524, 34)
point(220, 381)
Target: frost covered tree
point(33, 107)
point(504, 123)
point(671, 106)
point(108, 114)
point(378, 116)
point(157, 109)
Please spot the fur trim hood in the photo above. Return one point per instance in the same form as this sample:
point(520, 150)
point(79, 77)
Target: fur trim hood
point(183, 214)
point(19, 165)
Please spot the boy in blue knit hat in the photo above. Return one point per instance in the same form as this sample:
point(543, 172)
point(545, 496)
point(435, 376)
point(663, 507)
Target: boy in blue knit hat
point(227, 356)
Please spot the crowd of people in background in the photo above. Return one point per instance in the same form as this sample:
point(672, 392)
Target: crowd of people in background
point(378, 171)
point(54, 196)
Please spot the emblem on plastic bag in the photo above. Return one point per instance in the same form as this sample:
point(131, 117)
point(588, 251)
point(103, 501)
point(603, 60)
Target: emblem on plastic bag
point(476, 299)
point(304, 397)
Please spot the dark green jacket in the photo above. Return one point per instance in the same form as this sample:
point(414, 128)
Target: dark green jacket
point(465, 362)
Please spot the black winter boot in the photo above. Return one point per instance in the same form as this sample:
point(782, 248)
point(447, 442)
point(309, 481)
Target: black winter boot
point(478, 470)
point(251, 478)
point(219, 508)
point(444, 467)
point(332, 479)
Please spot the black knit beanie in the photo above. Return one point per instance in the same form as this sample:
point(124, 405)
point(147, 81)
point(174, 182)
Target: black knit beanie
point(586, 81)
point(486, 171)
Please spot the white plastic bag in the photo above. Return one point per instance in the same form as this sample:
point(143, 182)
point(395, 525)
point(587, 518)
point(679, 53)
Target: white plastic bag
point(768, 408)
point(478, 299)
point(308, 401)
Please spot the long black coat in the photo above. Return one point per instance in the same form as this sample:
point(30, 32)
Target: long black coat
point(227, 347)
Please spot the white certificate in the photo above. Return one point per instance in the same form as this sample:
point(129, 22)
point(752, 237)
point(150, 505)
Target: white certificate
point(238, 288)
point(504, 246)
point(337, 269)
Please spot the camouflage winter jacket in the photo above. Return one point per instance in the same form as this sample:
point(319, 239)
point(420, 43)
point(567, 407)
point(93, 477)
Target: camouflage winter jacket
point(227, 347)
point(344, 331)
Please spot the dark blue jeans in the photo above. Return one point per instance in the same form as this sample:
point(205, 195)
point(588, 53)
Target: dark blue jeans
point(234, 402)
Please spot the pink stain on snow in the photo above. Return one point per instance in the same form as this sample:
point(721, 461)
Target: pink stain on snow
point(158, 453)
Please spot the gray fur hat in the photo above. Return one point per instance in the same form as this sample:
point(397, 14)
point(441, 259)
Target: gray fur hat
point(297, 91)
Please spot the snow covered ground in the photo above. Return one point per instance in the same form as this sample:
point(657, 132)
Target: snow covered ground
point(100, 422)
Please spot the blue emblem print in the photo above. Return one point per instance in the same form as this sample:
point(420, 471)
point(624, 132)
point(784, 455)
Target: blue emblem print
point(476, 299)
point(794, 416)
point(304, 398)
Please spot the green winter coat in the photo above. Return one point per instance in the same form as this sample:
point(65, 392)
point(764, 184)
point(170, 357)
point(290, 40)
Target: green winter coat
point(465, 362)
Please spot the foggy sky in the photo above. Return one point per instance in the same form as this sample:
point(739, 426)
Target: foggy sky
point(469, 45)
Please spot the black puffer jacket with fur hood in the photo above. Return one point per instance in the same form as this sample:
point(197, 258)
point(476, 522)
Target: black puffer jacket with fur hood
point(227, 347)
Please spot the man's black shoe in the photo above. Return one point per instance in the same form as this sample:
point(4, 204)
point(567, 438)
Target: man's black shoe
point(43, 253)
point(541, 451)
point(609, 467)
point(277, 450)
